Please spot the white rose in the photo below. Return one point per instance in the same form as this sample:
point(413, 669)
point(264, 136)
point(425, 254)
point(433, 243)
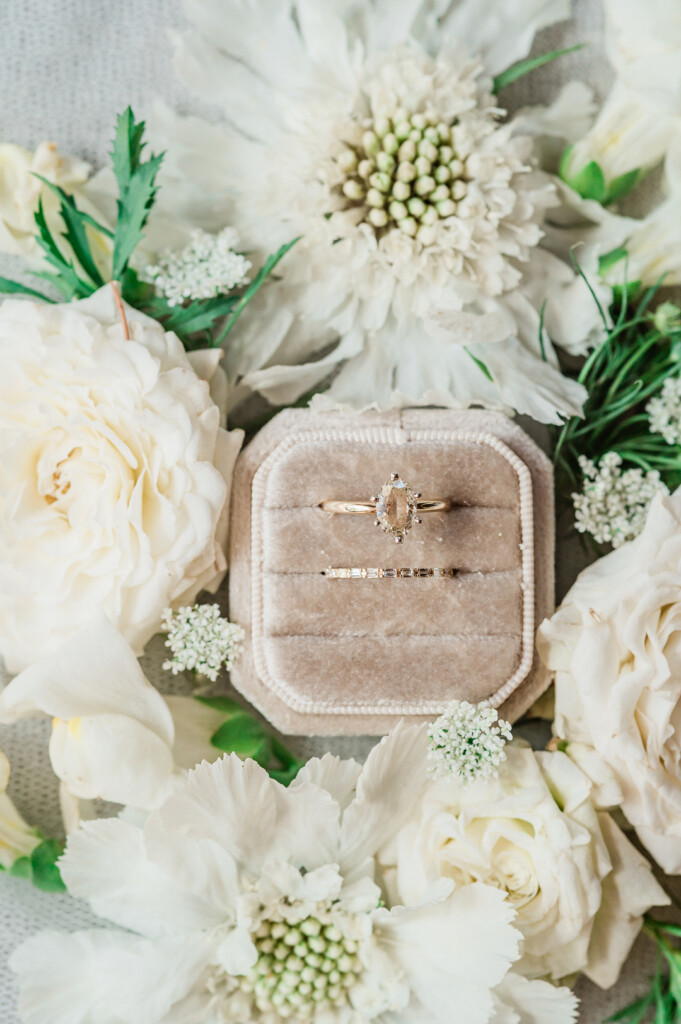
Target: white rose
point(20, 190)
point(115, 476)
point(615, 647)
point(578, 886)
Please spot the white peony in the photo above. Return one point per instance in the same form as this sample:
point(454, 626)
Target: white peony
point(113, 736)
point(256, 904)
point(21, 190)
point(374, 135)
point(17, 839)
point(115, 476)
point(615, 648)
point(577, 884)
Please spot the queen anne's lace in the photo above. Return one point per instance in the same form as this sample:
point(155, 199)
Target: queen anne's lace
point(206, 267)
point(201, 640)
point(664, 411)
point(613, 503)
point(468, 741)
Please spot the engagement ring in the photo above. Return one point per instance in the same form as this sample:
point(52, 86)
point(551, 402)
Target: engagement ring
point(396, 507)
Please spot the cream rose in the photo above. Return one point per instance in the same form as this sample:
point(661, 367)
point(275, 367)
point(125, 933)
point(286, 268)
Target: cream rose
point(115, 475)
point(578, 886)
point(615, 648)
point(20, 190)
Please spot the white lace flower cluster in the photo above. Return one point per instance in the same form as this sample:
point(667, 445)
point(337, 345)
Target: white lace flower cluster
point(613, 503)
point(467, 741)
point(201, 640)
point(206, 267)
point(664, 411)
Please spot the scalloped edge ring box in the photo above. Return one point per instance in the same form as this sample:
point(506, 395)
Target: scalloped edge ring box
point(351, 656)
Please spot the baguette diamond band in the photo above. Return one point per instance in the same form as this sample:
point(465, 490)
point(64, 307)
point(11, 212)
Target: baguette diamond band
point(386, 574)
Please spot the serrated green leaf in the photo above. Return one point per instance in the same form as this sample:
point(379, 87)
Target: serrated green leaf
point(134, 206)
point(200, 315)
point(46, 874)
point(525, 67)
point(127, 148)
point(255, 285)
point(67, 279)
point(589, 182)
point(242, 735)
point(619, 187)
point(75, 233)
point(8, 287)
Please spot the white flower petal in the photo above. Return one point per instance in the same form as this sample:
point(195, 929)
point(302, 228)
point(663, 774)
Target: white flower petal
point(112, 757)
point(454, 951)
point(236, 953)
point(107, 863)
point(101, 977)
point(337, 776)
point(194, 724)
point(533, 1002)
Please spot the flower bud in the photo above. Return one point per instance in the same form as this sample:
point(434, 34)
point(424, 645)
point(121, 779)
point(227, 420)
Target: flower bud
point(398, 211)
point(365, 168)
point(428, 150)
point(353, 190)
point(416, 206)
point(409, 226)
point(347, 161)
point(440, 193)
point(407, 151)
point(423, 166)
point(385, 162)
point(370, 143)
point(390, 143)
point(375, 198)
point(381, 181)
point(446, 208)
point(406, 171)
point(425, 185)
point(401, 190)
point(377, 217)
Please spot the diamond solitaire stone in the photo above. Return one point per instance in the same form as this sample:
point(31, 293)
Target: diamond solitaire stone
point(396, 507)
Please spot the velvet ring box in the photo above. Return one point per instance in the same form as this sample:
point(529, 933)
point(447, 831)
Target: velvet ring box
point(352, 656)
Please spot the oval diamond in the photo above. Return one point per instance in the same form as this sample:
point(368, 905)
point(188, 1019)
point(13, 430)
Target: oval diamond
point(396, 507)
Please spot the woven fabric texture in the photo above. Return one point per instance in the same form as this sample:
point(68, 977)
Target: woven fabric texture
point(67, 67)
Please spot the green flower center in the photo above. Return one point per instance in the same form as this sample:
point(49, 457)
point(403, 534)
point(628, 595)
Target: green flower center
point(406, 173)
point(302, 968)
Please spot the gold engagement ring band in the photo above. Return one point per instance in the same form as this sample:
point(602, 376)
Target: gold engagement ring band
point(387, 574)
point(396, 507)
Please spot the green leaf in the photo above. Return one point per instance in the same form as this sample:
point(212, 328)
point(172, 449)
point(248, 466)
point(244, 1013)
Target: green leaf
point(136, 189)
point(619, 187)
point(479, 363)
point(21, 868)
point(225, 704)
point(66, 279)
point(525, 67)
point(255, 285)
point(46, 874)
point(589, 182)
point(242, 735)
point(16, 288)
point(75, 233)
point(609, 259)
point(200, 315)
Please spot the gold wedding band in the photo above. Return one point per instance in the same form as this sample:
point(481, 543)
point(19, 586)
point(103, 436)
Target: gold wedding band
point(387, 574)
point(395, 508)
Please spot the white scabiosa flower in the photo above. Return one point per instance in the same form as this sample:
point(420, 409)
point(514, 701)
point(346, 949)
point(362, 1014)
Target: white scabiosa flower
point(206, 267)
point(664, 411)
point(17, 839)
point(467, 741)
point(420, 208)
point(201, 640)
point(613, 503)
point(249, 903)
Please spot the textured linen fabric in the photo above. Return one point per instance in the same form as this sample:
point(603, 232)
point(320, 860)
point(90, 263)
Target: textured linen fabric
point(67, 67)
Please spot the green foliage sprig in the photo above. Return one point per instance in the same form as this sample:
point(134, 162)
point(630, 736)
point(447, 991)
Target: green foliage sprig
point(622, 374)
point(662, 1002)
point(244, 735)
point(41, 867)
point(75, 272)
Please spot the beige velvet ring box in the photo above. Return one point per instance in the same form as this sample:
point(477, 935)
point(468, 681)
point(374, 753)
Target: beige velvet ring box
point(352, 656)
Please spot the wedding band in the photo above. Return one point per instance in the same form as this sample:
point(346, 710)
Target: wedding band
point(395, 508)
point(386, 574)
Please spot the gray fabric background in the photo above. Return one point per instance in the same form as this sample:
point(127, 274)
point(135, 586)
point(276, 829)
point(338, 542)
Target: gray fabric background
point(67, 67)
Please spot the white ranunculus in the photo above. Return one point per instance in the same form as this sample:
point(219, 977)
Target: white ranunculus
point(443, 213)
point(249, 903)
point(615, 648)
point(20, 191)
point(642, 115)
point(577, 884)
point(114, 736)
point(115, 475)
point(17, 839)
